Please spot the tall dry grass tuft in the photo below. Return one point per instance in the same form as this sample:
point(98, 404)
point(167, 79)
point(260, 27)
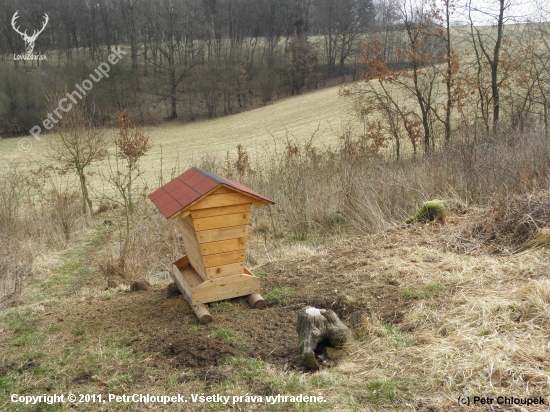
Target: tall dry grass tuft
point(154, 243)
point(511, 224)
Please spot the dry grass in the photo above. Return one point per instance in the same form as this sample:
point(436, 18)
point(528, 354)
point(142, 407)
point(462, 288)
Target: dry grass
point(34, 222)
point(480, 326)
point(483, 331)
point(325, 192)
point(510, 225)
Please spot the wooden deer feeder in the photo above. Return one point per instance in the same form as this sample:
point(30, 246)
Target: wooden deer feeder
point(213, 213)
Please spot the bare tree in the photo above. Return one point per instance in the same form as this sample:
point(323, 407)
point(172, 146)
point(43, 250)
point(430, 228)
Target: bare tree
point(406, 104)
point(342, 24)
point(78, 146)
point(301, 67)
point(129, 9)
point(131, 145)
point(175, 34)
point(487, 48)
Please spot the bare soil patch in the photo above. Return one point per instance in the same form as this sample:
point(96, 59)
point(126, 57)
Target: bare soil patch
point(160, 322)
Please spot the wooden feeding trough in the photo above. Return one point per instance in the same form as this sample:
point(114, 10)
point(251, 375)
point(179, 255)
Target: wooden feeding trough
point(213, 213)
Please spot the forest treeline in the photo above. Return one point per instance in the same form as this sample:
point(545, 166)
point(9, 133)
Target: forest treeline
point(191, 59)
point(186, 59)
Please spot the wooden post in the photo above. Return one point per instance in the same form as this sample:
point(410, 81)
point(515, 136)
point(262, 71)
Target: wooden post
point(256, 301)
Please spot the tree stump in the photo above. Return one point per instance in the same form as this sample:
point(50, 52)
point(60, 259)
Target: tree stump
point(325, 327)
point(137, 285)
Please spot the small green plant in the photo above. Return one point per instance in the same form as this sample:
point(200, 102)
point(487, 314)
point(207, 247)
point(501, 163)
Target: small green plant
point(434, 288)
point(193, 328)
point(78, 331)
point(20, 324)
point(260, 272)
point(278, 296)
point(96, 237)
point(28, 339)
point(411, 293)
point(53, 327)
point(221, 305)
point(246, 369)
point(227, 334)
point(64, 274)
point(344, 298)
point(395, 336)
point(379, 392)
point(482, 331)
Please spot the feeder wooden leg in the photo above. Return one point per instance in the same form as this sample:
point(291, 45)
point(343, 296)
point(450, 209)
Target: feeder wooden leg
point(256, 301)
point(200, 310)
point(202, 313)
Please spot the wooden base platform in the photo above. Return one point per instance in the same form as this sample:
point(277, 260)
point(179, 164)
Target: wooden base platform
point(198, 291)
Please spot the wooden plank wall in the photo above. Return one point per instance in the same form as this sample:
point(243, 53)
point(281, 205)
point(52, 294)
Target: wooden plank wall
point(215, 234)
point(192, 247)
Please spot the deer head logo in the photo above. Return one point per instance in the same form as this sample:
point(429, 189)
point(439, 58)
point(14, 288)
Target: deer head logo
point(29, 40)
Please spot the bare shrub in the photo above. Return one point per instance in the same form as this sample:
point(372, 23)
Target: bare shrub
point(151, 255)
point(16, 269)
point(14, 193)
point(154, 242)
point(64, 211)
point(113, 270)
point(132, 144)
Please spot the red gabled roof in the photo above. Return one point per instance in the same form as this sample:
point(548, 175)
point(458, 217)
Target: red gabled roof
point(190, 186)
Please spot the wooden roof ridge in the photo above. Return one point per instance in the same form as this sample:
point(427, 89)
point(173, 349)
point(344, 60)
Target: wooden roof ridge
point(191, 186)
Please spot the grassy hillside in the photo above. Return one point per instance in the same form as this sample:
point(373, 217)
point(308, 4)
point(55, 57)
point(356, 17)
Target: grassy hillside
point(259, 130)
point(443, 325)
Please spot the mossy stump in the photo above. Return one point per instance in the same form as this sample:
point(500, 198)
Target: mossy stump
point(432, 210)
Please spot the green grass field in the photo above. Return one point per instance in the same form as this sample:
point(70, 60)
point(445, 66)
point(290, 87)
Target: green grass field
point(258, 130)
